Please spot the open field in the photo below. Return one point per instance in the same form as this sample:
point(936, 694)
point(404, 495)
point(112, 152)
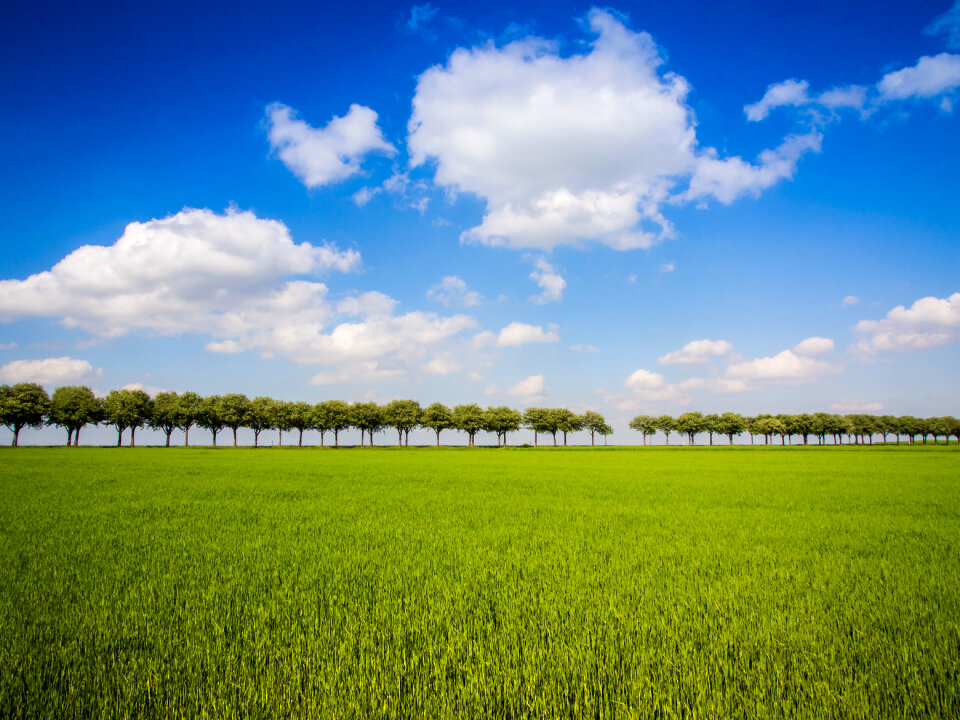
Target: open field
point(683, 582)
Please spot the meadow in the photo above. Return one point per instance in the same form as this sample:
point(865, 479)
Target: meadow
point(473, 583)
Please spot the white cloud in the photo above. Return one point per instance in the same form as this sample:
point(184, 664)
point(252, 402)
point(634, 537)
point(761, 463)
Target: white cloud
point(698, 351)
point(364, 195)
point(848, 406)
point(947, 24)
point(491, 390)
point(850, 300)
point(49, 371)
point(532, 390)
point(849, 96)
point(150, 390)
point(319, 156)
point(930, 77)
point(565, 149)
point(453, 291)
point(517, 333)
point(667, 267)
point(929, 322)
point(714, 384)
point(443, 364)
point(813, 346)
point(584, 348)
point(549, 280)
point(785, 367)
point(420, 18)
point(788, 92)
point(645, 380)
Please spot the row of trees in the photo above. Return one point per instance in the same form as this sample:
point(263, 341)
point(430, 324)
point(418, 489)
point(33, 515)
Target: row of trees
point(74, 407)
point(857, 427)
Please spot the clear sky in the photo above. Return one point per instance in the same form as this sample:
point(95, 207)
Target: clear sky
point(647, 207)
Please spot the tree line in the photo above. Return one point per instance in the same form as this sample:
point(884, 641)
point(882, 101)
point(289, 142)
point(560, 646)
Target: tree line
point(74, 407)
point(857, 428)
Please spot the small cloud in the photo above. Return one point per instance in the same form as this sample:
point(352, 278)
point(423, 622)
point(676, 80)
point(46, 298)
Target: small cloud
point(517, 333)
point(150, 390)
point(668, 267)
point(584, 348)
point(8, 346)
point(813, 346)
point(645, 380)
point(850, 300)
point(419, 19)
point(847, 406)
point(453, 291)
point(226, 346)
point(947, 25)
point(929, 322)
point(531, 390)
point(786, 367)
point(549, 280)
point(364, 195)
point(696, 352)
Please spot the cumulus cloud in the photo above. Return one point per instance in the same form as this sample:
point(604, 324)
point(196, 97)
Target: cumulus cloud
point(566, 149)
point(786, 367)
point(453, 291)
point(813, 346)
point(532, 390)
point(788, 92)
point(929, 322)
point(517, 333)
point(645, 380)
point(50, 371)
point(850, 300)
point(698, 351)
point(549, 280)
point(930, 77)
point(320, 156)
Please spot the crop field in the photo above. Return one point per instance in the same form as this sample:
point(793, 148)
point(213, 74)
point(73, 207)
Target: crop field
point(459, 583)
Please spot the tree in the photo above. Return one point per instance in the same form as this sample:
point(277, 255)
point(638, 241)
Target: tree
point(301, 419)
point(127, 409)
point(566, 421)
point(502, 420)
point(939, 426)
point(821, 426)
point(666, 424)
point(954, 428)
point(22, 405)
point(689, 424)
point(72, 407)
point(259, 417)
point(759, 426)
point(803, 426)
point(366, 417)
point(437, 417)
point(605, 430)
point(166, 413)
point(786, 427)
point(210, 415)
point(469, 419)
point(710, 425)
point(403, 416)
point(592, 422)
point(887, 425)
point(730, 424)
point(233, 412)
point(536, 419)
point(190, 404)
point(646, 425)
point(332, 415)
point(283, 417)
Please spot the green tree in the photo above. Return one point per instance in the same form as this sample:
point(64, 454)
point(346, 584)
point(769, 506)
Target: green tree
point(283, 418)
point(759, 425)
point(233, 411)
point(166, 413)
point(566, 421)
point(820, 426)
point(438, 417)
point(592, 423)
point(23, 405)
point(605, 430)
point(190, 404)
point(939, 426)
point(333, 416)
point(645, 424)
point(127, 409)
point(537, 420)
point(666, 424)
point(689, 424)
point(730, 424)
point(803, 426)
point(786, 428)
point(210, 415)
point(403, 416)
point(469, 419)
point(301, 419)
point(710, 425)
point(72, 407)
point(259, 416)
point(367, 418)
point(502, 420)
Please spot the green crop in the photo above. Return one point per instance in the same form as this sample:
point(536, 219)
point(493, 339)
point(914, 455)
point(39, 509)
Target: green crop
point(457, 583)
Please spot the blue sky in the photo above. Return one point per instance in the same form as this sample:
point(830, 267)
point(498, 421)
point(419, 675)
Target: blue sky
point(637, 208)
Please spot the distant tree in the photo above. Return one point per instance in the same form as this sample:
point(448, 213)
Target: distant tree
point(259, 416)
point(537, 420)
point(887, 425)
point(838, 428)
point(759, 426)
point(923, 427)
point(502, 420)
point(820, 426)
point(710, 425)
point(438, 417)
point(301, 419)
point(954, 428)
point(166, 413)
point(469, 419)
point(23, 405)
point(605, 430)
point(803, 426)
point(332, 415)
point(127, 409)
point(190, 404)
point(72, 407)
point(233, 411)
point(284, 415)
point(592, 422)
point(666, 424)
point(210, 415)
point(646, 425)
point(689, 424)
point(786, 428)
point(367, 418)
point(730, 424)
point(909, 427)
point(403, 416)
point(567, 421)
point(939, 426)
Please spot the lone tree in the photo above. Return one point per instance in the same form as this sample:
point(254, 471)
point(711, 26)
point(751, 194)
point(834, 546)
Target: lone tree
point(403, 416)
point(189, 412)
point(332, 415)
point(537, 420)
point(72, 407)
point(166, 413)
point(469, 419)
point(646, 425)
point(209, 416)
point(367, 418)
point(666, 424)
point(23, 405)
point(592, 423)
point(233, 411)
point(437, 417)
point(259, 417)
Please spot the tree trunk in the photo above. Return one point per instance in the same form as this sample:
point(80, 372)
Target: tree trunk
point(554, 439)
point(535, 439)
point(300, 441)
point(711, 439)
point(438, 437)
point(76, 437)
point(731, 438)
point(133, 435)
point(16, 436)
point(406, 437)
point(214, 433)
point(564, 438)
point(186, 436)
point(119, 437)
point(169, 433)
point(234, 437)
point(399, 437)
point(69, 436)
point(591, 438)
point(336, 438)
point(256, 438)
point(279, 438)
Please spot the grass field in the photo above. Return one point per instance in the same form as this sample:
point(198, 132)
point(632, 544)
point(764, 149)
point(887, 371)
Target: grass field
point(714, 583)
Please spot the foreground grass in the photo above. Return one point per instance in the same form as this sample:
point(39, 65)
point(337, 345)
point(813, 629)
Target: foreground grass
point(457, 583)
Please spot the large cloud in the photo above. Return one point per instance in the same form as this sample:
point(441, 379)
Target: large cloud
point(49, 371)
point(786, 367)
point(319, 156)
point(570, 149)
point(929, 322)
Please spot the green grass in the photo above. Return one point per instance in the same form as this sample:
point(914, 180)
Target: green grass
point(713, 583)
